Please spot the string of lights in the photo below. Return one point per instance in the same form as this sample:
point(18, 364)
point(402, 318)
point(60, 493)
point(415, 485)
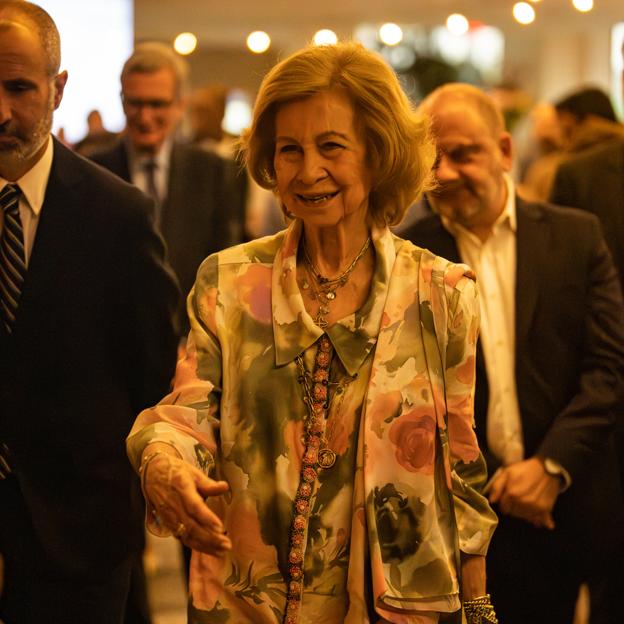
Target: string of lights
point(389, 34)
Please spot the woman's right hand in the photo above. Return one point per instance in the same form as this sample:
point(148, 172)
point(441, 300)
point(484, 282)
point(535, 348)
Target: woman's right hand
point(177, 491)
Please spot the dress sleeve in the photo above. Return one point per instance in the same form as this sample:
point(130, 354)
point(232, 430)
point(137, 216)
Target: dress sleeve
point(475, 519)
point(188, 417)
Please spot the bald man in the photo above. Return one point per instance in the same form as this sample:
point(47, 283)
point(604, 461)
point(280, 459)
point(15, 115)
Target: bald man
point(86, 342)
point(550, 365)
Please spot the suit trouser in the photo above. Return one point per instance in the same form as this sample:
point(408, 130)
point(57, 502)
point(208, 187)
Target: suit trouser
point(532, 575)
point(27, 600)
point(34, 593)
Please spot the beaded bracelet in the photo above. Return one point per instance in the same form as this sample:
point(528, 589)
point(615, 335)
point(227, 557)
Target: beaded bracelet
point(480, 610)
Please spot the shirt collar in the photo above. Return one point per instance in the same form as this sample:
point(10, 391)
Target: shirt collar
point(161, 158)
point(354, 336)
point(506, 218)
point(34, 182)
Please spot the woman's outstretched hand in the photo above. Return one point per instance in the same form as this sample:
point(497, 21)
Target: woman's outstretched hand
point(177, 492)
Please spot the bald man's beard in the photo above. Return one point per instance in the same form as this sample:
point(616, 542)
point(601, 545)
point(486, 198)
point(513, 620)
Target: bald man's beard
point(456, 202)
point(25, 146)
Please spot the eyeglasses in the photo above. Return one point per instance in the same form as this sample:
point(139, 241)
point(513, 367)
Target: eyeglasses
point(138, 103)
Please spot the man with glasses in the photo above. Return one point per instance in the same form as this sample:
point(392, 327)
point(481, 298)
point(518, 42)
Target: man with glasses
point(193, 208)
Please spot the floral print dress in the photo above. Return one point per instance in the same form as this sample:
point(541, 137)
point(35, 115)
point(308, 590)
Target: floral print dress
point(379, 531)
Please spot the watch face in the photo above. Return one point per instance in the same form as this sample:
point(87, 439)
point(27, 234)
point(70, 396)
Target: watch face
point(552, 468)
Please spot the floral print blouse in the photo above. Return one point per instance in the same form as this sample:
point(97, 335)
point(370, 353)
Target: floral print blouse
point(383, 526)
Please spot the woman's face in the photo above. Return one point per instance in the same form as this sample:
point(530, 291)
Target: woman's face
point(320, 160)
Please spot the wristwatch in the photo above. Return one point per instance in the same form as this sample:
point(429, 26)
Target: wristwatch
point(555, 469)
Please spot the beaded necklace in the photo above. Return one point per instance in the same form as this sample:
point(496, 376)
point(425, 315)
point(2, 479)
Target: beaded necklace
point(317, 456)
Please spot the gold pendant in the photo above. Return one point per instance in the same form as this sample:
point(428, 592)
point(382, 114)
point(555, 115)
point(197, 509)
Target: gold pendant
point(326, 458)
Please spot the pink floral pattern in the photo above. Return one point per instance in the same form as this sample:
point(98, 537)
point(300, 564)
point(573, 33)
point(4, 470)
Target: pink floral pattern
point(414, 435)
point(236, 410)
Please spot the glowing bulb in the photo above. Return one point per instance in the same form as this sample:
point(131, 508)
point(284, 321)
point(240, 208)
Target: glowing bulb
point(457, 24)
point(258, 42)
point(523, 12)
point(325, 37)
point(583, 5)
point(391, 34)
point(185, 43)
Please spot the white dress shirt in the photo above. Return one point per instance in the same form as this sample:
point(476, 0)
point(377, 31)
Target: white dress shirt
point(33, 185)
point(494, 262)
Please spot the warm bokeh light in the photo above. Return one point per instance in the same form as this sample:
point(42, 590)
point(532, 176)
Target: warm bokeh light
point(457, 24)
point(185, 43)
point(524, 12)
point(258, 41)
point(391, 34)
point(583, 5)
point(325, 37)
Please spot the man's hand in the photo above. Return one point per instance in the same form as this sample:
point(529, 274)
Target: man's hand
point(524, 490)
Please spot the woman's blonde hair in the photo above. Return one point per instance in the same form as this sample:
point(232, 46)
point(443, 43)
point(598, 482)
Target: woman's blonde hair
point(399, 150)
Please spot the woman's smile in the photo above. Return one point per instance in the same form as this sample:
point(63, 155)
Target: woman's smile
point(316, 199)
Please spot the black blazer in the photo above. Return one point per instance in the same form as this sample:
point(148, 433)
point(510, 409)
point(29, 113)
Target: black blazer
point(594, 181)
point(93, 344)
point(197, 218)
point(569, 359)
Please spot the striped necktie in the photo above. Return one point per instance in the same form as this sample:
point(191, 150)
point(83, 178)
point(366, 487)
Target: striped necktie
point(12, 256)
point(150, 168)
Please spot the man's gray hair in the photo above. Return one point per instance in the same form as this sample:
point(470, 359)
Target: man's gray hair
point(152, 56)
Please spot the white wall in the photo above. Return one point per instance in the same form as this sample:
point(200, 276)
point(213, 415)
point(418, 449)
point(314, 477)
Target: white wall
point(97, 36)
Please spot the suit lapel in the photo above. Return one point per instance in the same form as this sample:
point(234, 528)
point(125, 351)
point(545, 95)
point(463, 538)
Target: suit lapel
point(53, 241)
point(531, 245)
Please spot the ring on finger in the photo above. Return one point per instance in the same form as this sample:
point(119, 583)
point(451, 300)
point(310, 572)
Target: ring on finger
point(181, 530)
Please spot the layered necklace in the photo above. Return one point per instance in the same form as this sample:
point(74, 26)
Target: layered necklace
point(323, 289)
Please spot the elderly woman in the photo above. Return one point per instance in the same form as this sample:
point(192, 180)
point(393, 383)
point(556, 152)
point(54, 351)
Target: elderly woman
point(317, 451)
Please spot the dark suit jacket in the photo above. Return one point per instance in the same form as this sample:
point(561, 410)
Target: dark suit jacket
point(569, 359)
point(92, 345)
point(196, 214)
point(594, 181)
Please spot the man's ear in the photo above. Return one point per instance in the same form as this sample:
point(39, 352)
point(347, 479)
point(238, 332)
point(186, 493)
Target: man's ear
point(505, 144)
point(59, 87)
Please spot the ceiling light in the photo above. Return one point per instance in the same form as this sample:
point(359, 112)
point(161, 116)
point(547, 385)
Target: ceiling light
point(583, 5)
point(185, 43)
point(457, 24)
point(523, 12)
point(390, 34)
point(325, 37)
point(258, 41)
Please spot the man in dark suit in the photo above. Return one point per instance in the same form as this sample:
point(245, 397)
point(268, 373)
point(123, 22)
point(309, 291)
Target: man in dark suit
point(195, 213)
point(86, 341)
point(594, 181)
point(550, 363)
